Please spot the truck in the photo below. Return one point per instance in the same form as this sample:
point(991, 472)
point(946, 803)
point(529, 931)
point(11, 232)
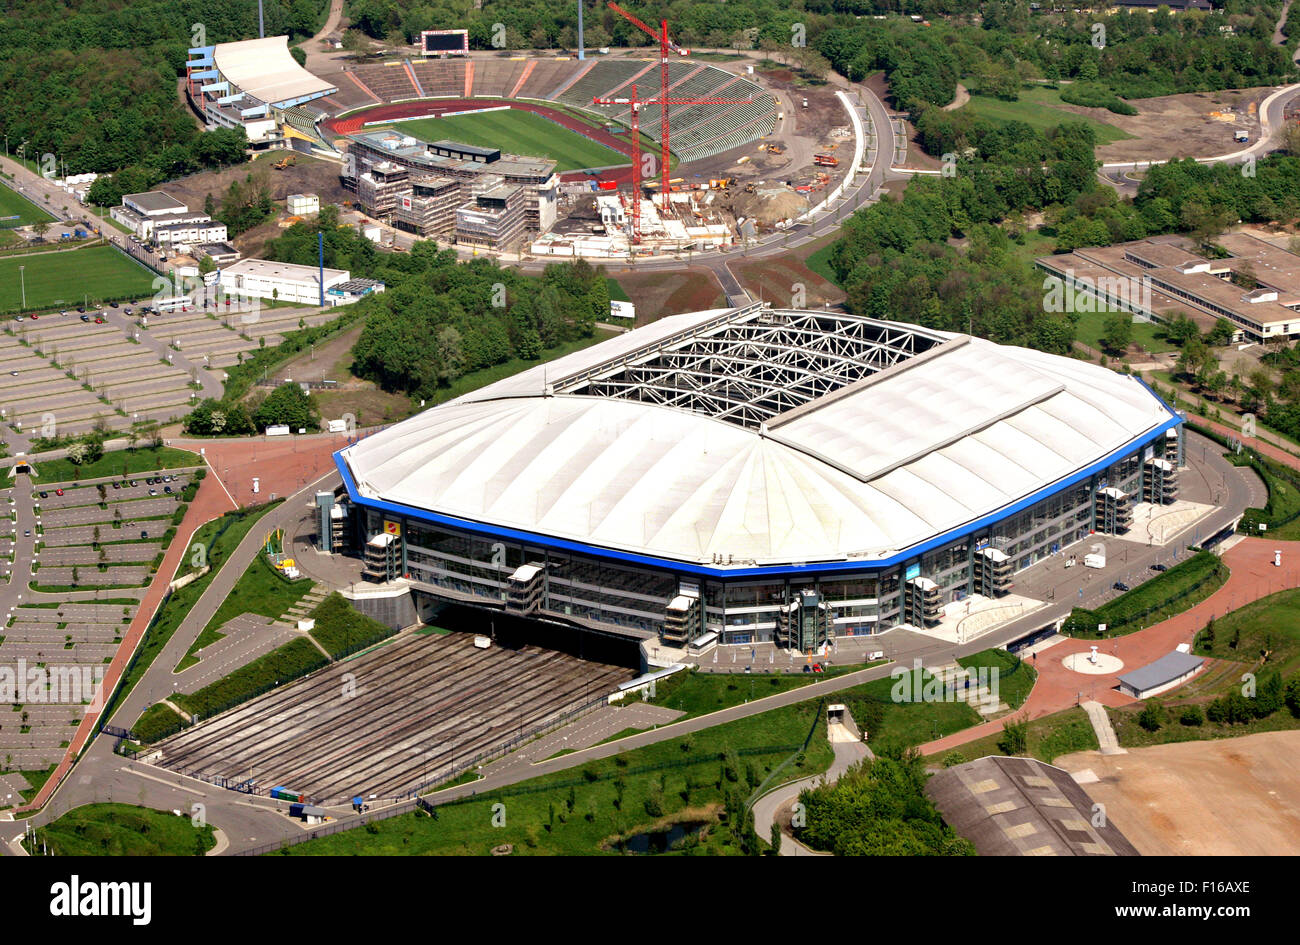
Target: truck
point(1241, 136)
point(825, 160)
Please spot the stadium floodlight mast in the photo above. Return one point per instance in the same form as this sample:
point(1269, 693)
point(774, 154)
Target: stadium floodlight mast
point(582, 52)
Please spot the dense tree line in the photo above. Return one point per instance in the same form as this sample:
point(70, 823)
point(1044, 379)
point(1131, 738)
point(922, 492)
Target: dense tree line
point(440, 319)
point(1133, 55)
point(879, 808)
point(94, 81)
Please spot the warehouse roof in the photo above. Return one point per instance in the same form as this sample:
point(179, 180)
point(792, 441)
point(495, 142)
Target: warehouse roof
point(1022, 807)
point(755, 437)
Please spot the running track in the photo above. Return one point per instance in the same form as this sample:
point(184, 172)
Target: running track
point(353, 123)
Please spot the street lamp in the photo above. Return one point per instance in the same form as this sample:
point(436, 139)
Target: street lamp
point(23, 280)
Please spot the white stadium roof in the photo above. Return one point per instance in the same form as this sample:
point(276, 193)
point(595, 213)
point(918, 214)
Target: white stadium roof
point(586, 449)
point(266, 70)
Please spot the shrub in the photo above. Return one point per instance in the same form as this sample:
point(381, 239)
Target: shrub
point(1192, 716)
point(1152, 716)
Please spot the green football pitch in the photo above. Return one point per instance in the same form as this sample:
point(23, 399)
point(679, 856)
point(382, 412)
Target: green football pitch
point(13, 203)
point(517, 132)
point(64, 279)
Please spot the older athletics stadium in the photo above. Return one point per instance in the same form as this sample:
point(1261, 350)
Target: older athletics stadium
point(756, 474)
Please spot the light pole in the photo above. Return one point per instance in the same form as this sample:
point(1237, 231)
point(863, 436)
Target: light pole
point(22, 278)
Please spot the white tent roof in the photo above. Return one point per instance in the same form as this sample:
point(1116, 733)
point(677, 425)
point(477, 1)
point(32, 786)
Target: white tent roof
point(968, 431)
point(266, 70)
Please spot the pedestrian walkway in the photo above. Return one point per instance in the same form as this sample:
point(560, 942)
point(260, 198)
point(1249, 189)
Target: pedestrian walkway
point(1106, 739)
point(1253, 576)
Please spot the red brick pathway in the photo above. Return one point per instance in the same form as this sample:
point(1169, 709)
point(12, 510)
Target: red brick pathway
point(1253, 576)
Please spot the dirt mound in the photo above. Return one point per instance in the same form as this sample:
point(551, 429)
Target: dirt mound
point(769, 207)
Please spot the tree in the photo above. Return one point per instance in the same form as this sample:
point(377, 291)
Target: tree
point(1117, 333)
point(1015, 737)
point(774, 839)
point(288, 404)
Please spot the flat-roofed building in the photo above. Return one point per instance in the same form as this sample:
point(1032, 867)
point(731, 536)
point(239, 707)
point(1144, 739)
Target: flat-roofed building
point(280, 281)
point(1256, 286)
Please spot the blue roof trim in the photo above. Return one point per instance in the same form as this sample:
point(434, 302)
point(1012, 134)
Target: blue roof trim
point(681, 567)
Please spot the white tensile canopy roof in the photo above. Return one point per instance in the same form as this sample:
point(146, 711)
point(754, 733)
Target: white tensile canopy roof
point(266, 70)
point(881, 465)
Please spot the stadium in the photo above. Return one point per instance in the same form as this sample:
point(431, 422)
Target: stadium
point(757, 474)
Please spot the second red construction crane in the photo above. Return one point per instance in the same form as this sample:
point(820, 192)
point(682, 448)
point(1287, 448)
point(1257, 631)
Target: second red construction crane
point(666, 46)
point(636, 103)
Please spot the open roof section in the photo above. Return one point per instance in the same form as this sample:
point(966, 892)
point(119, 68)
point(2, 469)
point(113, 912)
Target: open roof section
point(754, 364)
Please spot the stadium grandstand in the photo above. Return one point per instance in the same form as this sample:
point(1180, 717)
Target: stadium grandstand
point(758, 474)
point(252, 84)
point(699, 131)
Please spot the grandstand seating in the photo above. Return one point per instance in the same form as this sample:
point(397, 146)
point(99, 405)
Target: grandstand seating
point(698, 130)
point(602, 79)
point(441, 78)
point(496, 78)
point(389, 81)
point(548, 75)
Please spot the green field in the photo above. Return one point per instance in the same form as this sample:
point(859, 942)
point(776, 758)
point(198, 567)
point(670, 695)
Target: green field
point(518, 132)
point(123, 830)
point(66, 278)
point(1039, 108)
point(12, 202)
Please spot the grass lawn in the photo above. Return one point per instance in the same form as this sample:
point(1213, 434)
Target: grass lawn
point(518, 132)
point(259, 591)
point(220, 537)
point(123, 830)
point(1049, 737)
point(579, 811)
point(1171, 592)
point(116, 463)
point(65, 278)
point(698, 693)
point(1015, 677)
point(13, 203)
point(1282, 511)
point(889, 721)
point(616, 291)
point(1039, 108)
point(1090, 326)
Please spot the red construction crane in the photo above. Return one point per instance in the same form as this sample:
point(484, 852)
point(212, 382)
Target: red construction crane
point(666, 46)
point(635, 103)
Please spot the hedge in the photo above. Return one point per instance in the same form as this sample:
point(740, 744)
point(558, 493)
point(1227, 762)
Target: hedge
point(342, 629)
point(1131, 608)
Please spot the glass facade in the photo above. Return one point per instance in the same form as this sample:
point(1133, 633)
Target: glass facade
point(588, 589)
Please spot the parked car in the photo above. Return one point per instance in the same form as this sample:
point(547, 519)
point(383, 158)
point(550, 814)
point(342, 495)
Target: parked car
point(58, 492)
point(117, 485)
point(85, 318)
point(99, 321)
point(135, 482)
point(1120, 586)
point(167, 488)
point(45, 495)
point(81, 308)
point(27, 533)
point(1159, 567)
point(153, 491)
point(13, 373)
point(112, 305)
